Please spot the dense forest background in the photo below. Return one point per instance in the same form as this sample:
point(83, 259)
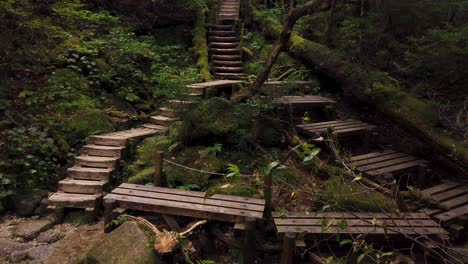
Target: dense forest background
point(71, 68)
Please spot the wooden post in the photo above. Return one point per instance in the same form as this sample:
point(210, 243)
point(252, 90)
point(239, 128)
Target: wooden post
point(158, 167)
point(204, 93)
point(289, 246)
point(421, 177)
point(248, 254)
point(109, 206)
point(59, 214)
point(330, 113)
point(267, 193)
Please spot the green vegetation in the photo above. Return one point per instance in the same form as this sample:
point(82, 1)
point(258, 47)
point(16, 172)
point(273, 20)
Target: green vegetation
point(68, 67)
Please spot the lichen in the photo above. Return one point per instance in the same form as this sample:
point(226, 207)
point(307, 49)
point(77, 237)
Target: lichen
point(200, 46)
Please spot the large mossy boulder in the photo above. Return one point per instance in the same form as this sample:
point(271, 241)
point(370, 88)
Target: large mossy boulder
point(87, 123)
point(126, 244)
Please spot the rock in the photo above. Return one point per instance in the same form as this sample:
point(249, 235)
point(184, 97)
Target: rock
point(27, 202)
point(49, 236)
point(73, 247)
point(18, 256)
point(127, 244)
point(40, 252)
point(7, 247)
point(30, 229)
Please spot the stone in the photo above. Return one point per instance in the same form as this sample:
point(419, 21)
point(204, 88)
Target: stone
point(50, 236)
point(8, 246)
point(31, 229)
point(27, 202)
point(73, 247)
point(40, 252)
point(18, 256)
point(126, 244)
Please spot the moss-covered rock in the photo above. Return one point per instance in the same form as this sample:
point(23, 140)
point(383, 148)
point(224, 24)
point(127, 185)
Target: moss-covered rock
point(142, 176)
point(195, 158)
point(345, 195)
point(88, 123)
point(127, 244)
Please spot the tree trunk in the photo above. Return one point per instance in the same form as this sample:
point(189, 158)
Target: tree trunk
point(374, 88)
point(330, 22)
point(284, 36)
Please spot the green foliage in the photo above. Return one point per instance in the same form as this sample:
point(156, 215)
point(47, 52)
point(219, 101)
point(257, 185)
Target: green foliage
point(351, 196)
point(143, 176)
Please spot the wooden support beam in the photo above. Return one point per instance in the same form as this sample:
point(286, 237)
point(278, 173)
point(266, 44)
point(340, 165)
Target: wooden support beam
point(109, 206)
point(158, 169)
point(267, 193)
point(248, 254)
point(289, 246)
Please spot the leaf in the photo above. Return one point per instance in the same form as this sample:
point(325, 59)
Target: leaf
point(312, 155)
point(357, 178)
point(360, 258)
point(387, 254)
point(319, 139)
point(375, 221)
point(345, 242)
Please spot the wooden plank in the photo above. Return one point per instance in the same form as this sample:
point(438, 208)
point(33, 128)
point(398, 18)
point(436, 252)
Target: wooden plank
point(363, 230)
point(372, 155)
point(327, 123)
point(396, 168)
point(190, 200)
point(379, 159)
point(193, 193)
point(431, 212)
point(351, 215)
point(441, 188)
point(384, 164)
point(452, 214)
point(444, 196)
point(456, 202)
point(357, 222)
point(183, 209)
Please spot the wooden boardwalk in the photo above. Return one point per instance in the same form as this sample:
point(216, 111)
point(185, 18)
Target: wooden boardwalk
point(184, 203)
point(338, 128)
point(453, 198)
point(388, 161)
point(304, 101)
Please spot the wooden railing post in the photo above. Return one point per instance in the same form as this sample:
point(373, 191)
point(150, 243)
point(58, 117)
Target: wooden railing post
point(289, 246)
point(267, 194)
point(158, 167)
point(248, 254)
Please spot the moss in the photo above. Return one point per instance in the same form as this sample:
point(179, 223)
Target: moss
point(200, 46)
point(88, 123)
point(285, 175)
point(243, 190)
point(213, 117)
point(369, 86)
point(350, 196)
point(147, 149)
point(78, 218)
point(74, 103)
point(143, 176)
point(194, 158)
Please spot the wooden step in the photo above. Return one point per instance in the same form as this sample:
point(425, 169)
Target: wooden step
point(222, 33)
point(100, 150)
point(222, 69)
point(233, 51)
point(107, 140)
point(227, 63)
point(180, 102)
point(96, 161)
point(225, 45)
point(73, 200)
point(162, 129)
point(166, 111)
point(222, 39)
point(162, 120)
point(85, 173)
point(81, 186)
point(226, 57)
point(230, 76)
point(221, 27)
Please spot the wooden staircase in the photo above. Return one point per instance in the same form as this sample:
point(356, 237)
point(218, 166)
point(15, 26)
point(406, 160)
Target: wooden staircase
point(223, 40)
point(90, 175)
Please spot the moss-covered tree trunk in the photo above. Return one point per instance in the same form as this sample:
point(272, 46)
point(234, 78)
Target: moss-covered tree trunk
point(370, 86)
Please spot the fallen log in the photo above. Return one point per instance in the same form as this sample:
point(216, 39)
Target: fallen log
point(371, 87)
